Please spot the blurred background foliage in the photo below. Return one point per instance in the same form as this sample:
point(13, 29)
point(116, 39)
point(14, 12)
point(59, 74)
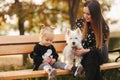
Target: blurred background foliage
point(26, 16)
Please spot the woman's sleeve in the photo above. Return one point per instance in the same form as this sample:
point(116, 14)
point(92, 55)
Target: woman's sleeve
point(105, 33)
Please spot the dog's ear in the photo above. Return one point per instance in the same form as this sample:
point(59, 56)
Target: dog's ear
point(68, 32)
point(79, 31)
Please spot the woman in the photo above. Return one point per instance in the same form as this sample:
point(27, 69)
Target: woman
point(95, 37)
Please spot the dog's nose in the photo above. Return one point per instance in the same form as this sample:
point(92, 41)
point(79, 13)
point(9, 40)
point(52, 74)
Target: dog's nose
point(73, 43)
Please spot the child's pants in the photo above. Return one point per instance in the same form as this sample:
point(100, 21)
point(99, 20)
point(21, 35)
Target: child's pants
point(55, 65)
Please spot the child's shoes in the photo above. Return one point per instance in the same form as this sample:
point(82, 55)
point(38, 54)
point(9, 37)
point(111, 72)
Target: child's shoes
point(52, 74)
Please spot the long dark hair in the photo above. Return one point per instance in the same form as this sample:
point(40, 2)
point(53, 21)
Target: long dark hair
point(97, 21)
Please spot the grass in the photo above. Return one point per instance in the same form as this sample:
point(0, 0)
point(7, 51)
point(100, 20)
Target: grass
point(112, 74)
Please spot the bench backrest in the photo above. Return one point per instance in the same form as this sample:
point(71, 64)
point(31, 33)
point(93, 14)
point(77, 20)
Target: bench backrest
point(23, 44)
point(12, 45)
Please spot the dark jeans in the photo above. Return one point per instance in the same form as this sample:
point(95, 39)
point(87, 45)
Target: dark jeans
point(92, 72)
point(91, 63)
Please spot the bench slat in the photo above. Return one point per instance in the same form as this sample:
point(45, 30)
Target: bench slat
point(28, 74)
point(5, 40)
point(110, 65)
point(26, 39)
point(15, 49)
point(25, 48)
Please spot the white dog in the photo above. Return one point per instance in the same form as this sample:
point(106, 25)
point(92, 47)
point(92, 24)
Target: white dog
point(73, 39)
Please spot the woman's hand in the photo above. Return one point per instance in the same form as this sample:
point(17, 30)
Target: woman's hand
point(81, 51)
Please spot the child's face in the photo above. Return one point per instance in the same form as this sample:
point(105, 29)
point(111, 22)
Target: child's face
point(46, 41)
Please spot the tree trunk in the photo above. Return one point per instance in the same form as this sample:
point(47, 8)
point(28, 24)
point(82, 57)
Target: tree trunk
point(21, 26)
point(73, 6)
point(21, 30)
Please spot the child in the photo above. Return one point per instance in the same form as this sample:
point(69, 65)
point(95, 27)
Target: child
point(45, 57)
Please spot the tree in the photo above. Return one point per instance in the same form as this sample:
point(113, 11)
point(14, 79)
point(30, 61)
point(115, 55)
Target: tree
point(73, 11)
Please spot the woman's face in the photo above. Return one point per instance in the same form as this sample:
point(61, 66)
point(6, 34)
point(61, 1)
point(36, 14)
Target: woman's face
point(87, 15)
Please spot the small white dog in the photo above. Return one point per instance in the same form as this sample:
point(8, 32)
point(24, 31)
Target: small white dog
point(73, 39)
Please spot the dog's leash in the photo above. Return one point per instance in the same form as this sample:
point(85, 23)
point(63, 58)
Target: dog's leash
point(74, 60)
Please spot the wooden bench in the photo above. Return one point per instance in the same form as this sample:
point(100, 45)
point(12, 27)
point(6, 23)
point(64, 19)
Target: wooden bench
point(14, 45)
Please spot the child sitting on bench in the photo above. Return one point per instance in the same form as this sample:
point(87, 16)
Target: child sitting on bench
point(45, 56)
